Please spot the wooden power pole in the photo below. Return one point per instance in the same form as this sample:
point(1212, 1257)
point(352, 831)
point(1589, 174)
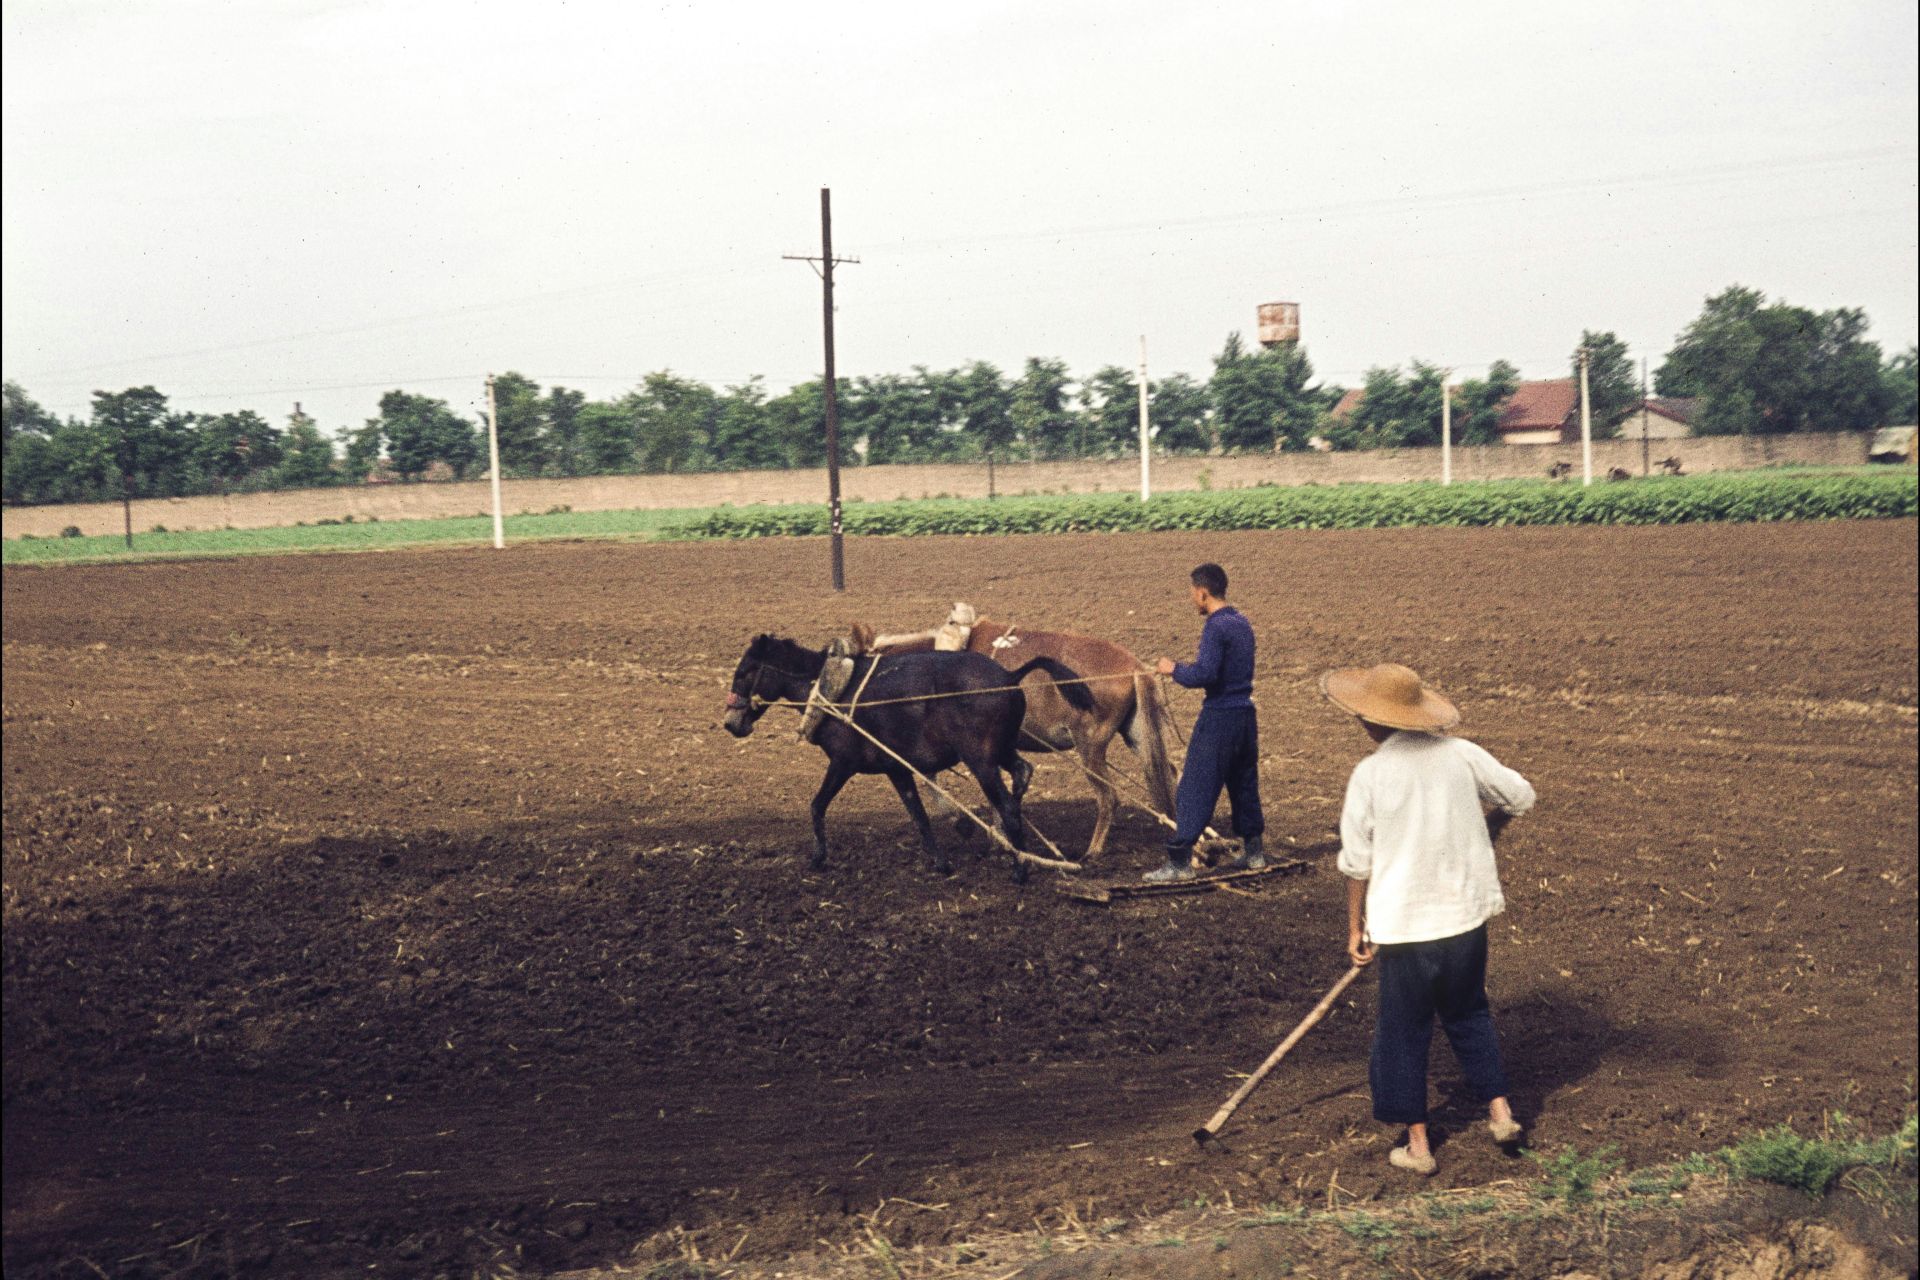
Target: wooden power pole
point(826, 262)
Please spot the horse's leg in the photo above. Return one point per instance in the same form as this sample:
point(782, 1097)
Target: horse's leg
point(1022, 772)
point(838, 771)
point(1093, 754)
point(910, 796)
point(1004, 803)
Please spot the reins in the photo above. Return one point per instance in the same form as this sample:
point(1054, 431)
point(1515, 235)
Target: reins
point(928, 697)
point(845, 713)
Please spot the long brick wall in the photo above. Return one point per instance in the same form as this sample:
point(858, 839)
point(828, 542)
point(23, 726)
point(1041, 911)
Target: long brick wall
point(883, 483)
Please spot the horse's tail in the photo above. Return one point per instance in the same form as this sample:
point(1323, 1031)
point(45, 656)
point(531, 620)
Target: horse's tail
point(1065, 678)
point(1151, 708)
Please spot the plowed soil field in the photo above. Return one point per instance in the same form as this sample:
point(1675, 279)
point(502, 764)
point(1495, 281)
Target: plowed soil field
point(409, 913)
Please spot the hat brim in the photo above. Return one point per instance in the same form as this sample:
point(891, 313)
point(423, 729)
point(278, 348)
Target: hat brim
point(1349, 690)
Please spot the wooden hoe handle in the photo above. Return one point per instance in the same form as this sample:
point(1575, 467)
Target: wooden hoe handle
point(1220, 1117)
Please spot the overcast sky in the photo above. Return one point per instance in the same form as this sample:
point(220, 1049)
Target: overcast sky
point(247, 204)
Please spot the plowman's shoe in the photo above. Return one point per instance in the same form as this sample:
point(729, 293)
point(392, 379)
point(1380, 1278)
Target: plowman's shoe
point(1401, 1158)
point(1505, 1131)
point(1253, 855)
point(1170, 873)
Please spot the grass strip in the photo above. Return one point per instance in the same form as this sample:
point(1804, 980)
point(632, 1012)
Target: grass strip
point(1727, 496)
point(344, 535)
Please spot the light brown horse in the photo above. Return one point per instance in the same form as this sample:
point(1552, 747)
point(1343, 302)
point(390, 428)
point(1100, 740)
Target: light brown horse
point(1127, 702)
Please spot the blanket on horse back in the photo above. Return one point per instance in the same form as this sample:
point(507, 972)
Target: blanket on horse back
point(1128, 702)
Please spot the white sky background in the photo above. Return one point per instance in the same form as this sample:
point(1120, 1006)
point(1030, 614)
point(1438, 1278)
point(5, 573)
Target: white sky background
point(248, 204)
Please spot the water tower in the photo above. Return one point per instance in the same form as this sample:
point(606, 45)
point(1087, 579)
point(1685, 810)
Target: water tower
point(1279, 324)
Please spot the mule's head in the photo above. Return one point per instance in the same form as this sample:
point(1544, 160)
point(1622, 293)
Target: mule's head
point(756, 685)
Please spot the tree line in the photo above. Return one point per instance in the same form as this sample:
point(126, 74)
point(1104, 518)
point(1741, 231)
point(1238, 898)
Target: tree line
point(1755, 366)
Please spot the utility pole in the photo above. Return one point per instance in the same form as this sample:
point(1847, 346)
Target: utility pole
point(1446, 427)
point(126, 480)
point(1146, 432)
point(123, 455)
point(493, 457)
point(1586, 422)
point(824, 270)
point(1646, 464)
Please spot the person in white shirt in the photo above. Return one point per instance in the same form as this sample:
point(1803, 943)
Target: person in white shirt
point(1416, 846)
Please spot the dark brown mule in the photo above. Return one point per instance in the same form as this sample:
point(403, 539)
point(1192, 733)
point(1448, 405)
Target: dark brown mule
point(1127, 703)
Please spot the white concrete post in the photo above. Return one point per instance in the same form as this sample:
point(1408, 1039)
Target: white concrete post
point(1146, 433)
point(1586, 424)
point(493, 456)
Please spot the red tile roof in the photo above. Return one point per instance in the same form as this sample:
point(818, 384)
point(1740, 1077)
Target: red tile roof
point(1539, 406)
point(1349, 403)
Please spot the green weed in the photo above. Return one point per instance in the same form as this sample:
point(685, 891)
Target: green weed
point(1570, 1176)
point(1363, 1226)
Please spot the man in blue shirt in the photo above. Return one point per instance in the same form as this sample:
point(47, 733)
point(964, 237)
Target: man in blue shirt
point(1225, 747)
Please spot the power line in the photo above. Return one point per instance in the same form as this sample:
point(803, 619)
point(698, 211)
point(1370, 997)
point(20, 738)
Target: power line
point(1473, 197)
point(1696, 176)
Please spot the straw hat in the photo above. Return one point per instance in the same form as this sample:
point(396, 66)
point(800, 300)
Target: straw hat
point(1390, 695)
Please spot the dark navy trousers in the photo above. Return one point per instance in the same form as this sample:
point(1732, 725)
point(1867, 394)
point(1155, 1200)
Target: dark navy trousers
point(1223, 752)
point(1419, 981)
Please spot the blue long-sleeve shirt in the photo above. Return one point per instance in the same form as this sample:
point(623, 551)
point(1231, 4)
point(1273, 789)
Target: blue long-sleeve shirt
point(1224, 665)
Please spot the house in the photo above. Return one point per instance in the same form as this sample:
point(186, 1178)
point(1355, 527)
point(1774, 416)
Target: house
point(1546, 412)
point(1661, 418)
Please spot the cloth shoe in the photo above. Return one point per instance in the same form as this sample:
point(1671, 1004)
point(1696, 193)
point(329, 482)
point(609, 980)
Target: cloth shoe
point(1505, 1132)
point(1402, 1158)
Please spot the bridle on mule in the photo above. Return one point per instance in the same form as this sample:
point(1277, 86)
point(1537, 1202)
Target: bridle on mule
point(754, 701)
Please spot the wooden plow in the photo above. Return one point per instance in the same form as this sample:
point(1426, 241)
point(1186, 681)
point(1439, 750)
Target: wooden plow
point(1104, 893)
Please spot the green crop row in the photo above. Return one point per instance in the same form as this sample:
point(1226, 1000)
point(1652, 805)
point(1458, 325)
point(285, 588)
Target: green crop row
point(1745, 496)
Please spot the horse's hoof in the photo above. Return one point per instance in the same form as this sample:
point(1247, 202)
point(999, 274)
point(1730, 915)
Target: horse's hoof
point(816, 864)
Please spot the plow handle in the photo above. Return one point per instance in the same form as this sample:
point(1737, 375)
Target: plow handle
point(1220, 1117)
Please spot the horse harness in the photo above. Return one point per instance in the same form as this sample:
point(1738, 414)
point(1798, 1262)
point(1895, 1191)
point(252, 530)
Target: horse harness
point(835, 675)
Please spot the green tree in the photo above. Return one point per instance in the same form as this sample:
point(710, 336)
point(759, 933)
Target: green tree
point(983, 404)
point(23, 414)
point(230, 447)
point(1042, 414)
point(797, 422)
point(606, 437)
point(28, 470)
point(1261, 400)
point(1401, 412)
point(1766, 368)
point(1612, 387)
point(421, 431)
point(74, 463)
point(150, 446)
point(363, 448)
point(1848, 387)
point(522, 429)
point(306, 456)
point(562, 411)
point(1178, 409)
point(743, 436)
point(1902, 388)
point(674, 419)
point(1109, 413)
point(909, 418)
point(1477, 412)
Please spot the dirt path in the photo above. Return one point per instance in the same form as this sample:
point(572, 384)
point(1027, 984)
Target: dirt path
point(406, 911)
